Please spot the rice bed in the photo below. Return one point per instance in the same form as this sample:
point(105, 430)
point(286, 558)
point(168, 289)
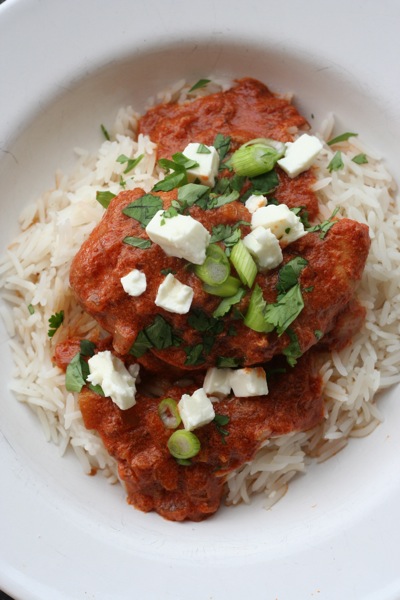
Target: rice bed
point(34, 285)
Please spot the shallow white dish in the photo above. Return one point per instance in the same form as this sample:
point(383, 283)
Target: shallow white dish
point(65, 68)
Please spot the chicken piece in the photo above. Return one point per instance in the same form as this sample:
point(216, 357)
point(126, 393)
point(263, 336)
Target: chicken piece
point(197, 340)
point(154, 480)
point(246, 111)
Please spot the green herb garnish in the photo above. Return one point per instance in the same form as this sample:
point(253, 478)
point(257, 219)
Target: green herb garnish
point(104, 198)
point(293, 350)
point(360, 159)
point(289, 274)
point(144, 208)
point(341, 138)
point(137, 242)
point(55, 321)
point(282, 313)
point(202, 149)
point(158, 334)
point(131, 163)
point(222, 144)
point(199, 84)
point(228, 362)
point(336, 163)
point(105, 132)
point(325, 226)
point(220, 422)
point(227, 303)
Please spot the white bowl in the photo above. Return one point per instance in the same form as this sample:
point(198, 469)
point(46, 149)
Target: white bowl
point(66, 67)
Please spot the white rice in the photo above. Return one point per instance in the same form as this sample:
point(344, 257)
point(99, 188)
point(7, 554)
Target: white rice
point(34, 272)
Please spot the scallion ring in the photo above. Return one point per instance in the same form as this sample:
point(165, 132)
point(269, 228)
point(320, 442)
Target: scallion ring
point(169, 413)
point(183, 444)
point(244, 263)
point(215, 269)
point(254, 318)
point(257, 157)
point(225, 290)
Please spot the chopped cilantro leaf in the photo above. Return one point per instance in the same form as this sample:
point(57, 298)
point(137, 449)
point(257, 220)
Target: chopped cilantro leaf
point(105, 132)
point(360, 159)
point(137, 242)
point(194, 355)
point(199, 84)
point(282, 313)
point(87, 347)
point(336, 163)
point(76, 373)
point(202, 149)
point(228, 234)
point(31, 309)
point(341, 138)
point(104, 198)
point(55, 322)
point(158, 334)
point(325, 226)
point(289, 274)
point(293, 350)
point(220, 421)
point(193, 193)
point(226, 304)
point(222, 144)
point(228, 362)
point(131, 163)
point(318, 334)
point(144, 208)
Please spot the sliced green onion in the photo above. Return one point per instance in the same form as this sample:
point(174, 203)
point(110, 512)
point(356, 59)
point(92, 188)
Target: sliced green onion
point(183, 444)
point(226, 289)
point(169, 413)
point(215, 269)
point(254, 318)
point(244, 263)
point(257, 157)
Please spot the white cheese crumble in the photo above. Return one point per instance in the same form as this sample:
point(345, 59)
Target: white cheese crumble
point(196, 410)
point(264, 247)
point(134, 283)
point(216, 382)
point(283, 223)
point(254, 202)
point(249, 382)
point(174, 296)
point(116, 381)
point(300, 154)
point(207, 170)
point(243, 382)
point(180, 236)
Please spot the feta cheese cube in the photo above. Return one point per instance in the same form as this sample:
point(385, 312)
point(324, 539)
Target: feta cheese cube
point(116, 381)
point(283, 223)
point(300, 154)
point(264, 247)
point(134, 283)
point(216, 382)
point(174, 296)
point(254, 202)
point(195, 410)
point(249, 382)
point(180, 236)
point(208, 161)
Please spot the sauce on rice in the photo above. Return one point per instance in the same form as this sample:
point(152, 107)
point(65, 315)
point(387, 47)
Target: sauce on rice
point(137, 437)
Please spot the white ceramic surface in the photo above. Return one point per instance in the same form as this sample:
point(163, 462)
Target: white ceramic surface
point(65, 67)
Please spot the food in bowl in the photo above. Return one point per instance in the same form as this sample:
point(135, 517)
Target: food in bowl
point(220, 327)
